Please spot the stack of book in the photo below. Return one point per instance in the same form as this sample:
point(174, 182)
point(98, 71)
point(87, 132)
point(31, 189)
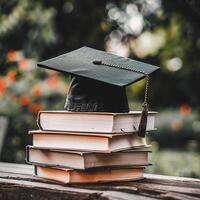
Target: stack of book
point(86, 147)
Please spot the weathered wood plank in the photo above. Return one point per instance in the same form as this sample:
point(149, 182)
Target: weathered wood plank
point(148, 189)
point(16, 168)
point(18, 180)
point(172, 180)
point(20, 189)
point(10, 189)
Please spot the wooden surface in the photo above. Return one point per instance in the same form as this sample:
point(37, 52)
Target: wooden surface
point(17, 182)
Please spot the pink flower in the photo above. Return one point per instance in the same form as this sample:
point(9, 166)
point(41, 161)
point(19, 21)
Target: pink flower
point(53, 81)
point(12, 55)
point(24, 64)
point(36, 90)
point(185, 109)
point(3, 86)
point(24, 100)
point(11, 76)
point(35, 108)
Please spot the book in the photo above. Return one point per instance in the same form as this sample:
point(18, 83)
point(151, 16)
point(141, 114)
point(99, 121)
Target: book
point(93, 121)
point(89, 176)
point(97, 142)
point(85, 160)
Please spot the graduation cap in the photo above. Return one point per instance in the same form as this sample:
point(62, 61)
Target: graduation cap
point(99, 81)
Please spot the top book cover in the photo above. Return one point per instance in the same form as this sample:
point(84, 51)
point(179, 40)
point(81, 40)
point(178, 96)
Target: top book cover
point(95, 122)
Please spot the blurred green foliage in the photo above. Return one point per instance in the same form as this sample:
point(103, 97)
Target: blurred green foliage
point(25, 91)
point(175, 163)
point(177, 130)
point(164, 33)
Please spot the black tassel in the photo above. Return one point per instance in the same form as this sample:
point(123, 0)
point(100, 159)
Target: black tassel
point(143, 121)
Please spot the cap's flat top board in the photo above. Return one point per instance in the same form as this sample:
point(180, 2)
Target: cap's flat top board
point(80, 62)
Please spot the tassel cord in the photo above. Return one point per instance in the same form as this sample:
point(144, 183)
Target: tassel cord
point(143, 120)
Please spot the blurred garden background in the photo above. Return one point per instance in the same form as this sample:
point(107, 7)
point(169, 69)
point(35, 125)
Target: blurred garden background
point(160, 32)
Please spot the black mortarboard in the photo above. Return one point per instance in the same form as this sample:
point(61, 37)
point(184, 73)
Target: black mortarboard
point(99, 79)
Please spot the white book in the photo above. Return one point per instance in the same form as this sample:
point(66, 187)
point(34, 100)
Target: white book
point(91, 142)
point(86, 160)
point(93, 121)
point(89, 176)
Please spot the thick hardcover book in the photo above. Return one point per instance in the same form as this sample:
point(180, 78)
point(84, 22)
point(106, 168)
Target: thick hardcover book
point(89, 176)
point(97, 142)
point(93, 121)
point(86, 160)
